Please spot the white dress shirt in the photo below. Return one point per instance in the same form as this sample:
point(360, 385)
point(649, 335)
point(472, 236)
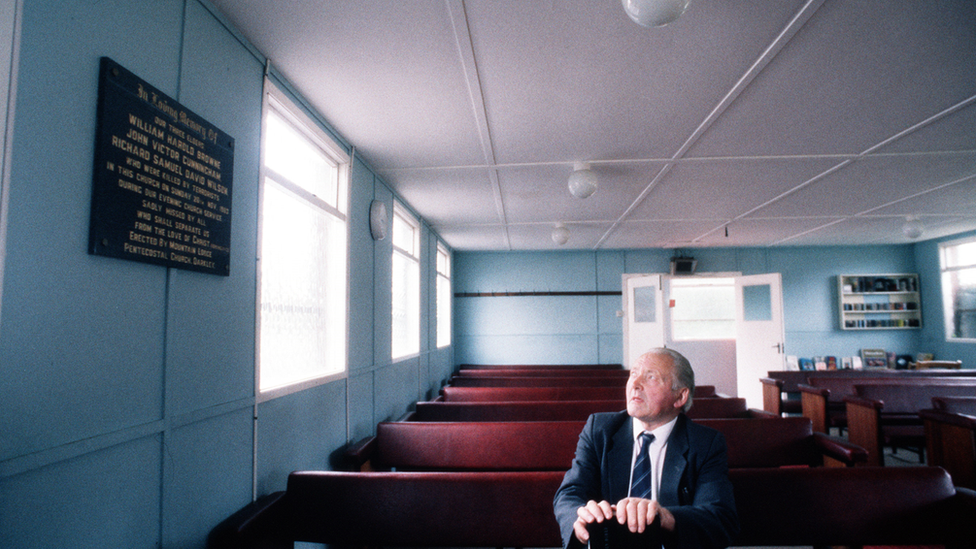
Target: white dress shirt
point(657, 450)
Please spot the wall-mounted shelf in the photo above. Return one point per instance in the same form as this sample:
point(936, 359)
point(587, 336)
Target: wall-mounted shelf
point(879, 302)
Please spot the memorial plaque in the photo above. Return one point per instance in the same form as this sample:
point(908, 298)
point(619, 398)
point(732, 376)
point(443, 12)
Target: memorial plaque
point(162, 181)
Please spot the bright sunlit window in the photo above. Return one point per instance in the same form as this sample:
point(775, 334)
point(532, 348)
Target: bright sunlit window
point(443, 296)
point(406, 283)
point(958, 264)
point(302, 251)
point(704, 308)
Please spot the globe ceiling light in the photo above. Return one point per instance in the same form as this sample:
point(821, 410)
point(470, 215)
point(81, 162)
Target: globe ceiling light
point(582, 182)
point(912, 228)
point(654, 13)
point(560, 234)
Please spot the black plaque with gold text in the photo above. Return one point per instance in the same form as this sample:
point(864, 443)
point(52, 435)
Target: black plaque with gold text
point(162, 181)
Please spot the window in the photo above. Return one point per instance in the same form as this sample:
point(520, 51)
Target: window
point(704, 308)
point(958, 264)
point(406, 283)
point(303, 248)
point(443, 297)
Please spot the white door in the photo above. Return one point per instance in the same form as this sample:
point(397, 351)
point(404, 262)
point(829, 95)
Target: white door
point(760, 335)
point(643, 315)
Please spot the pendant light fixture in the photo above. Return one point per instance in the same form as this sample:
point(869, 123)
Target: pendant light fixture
point(654, 13)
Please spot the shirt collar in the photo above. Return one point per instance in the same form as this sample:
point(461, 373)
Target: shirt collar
point(661, 434)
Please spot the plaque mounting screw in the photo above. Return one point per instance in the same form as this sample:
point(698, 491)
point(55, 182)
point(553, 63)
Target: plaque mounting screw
point(105, 242)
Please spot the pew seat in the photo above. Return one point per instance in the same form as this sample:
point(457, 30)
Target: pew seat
point(776, 507)
point(823, 399)
point(505, 394)
point(542, 372)
point(542, 367)
point(551, 446)
point(468, 446)
point(888, 414)
point(538, 381)
point(528, 410)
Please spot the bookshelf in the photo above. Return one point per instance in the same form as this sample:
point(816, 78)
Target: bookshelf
point(879, 302)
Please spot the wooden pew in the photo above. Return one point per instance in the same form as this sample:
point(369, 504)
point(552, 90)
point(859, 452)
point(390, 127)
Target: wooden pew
point(541, 367)
point(566, 410)
point(701, 391)
point(776, 507)
point(965, 405)
point(507, 394)
point(542, 446)
point(455, 393)
point(542, 372)
point(823, 399)
point(950, 438)
point(789, 392)
point(537, 381)
point(888, 414)
point(468, 446)
point(400, 510)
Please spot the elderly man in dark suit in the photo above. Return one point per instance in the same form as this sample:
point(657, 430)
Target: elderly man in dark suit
point(687, 489)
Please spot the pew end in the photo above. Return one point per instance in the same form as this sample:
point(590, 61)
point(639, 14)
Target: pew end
point(772, 392)
point(950, 440)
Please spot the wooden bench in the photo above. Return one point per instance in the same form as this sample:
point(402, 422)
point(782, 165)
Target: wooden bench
point(468, 446)
point(786, 382)
point(725, 408)
point(507, 394)
point(455, 393)
point(950, 440)
point(888, 414)
point(776, 507)
point(822, 400)
point(955, 405)
point(511, 410)
point(563, 410)
point(542, 446)
point(541, 367)
point(701, 391)
point(783, 442)
point(538, 381)
point(542, 372)
point(499, 509)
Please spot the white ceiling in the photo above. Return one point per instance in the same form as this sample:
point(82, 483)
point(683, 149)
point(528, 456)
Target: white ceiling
point(783, 122)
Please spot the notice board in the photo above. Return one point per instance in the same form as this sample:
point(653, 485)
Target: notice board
point(163, 179)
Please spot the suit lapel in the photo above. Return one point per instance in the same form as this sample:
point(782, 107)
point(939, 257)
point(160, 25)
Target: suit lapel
point(675, 462)
point(620, 456)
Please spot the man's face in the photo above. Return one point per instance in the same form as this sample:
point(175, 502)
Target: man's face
point(649, 394)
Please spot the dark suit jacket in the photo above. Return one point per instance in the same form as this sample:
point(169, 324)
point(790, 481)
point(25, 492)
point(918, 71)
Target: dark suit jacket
point(695, 484)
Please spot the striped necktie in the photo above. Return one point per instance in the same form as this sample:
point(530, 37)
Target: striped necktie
point(640, 487)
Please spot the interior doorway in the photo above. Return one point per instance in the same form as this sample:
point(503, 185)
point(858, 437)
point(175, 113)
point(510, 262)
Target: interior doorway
point(730, 327)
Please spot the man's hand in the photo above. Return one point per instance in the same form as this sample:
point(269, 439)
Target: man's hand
point(637, 513)
point(588, 514)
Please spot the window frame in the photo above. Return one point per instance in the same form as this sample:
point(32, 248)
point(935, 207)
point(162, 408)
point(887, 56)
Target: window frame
point(413, 256)
point(445, 275)
point(284, 106)
point(945, 272)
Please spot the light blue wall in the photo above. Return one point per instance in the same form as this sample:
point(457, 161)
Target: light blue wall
point(581, 330)
point(126, 389)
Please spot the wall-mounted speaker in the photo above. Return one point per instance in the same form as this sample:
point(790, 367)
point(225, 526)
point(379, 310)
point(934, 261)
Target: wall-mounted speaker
point(683, 265)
